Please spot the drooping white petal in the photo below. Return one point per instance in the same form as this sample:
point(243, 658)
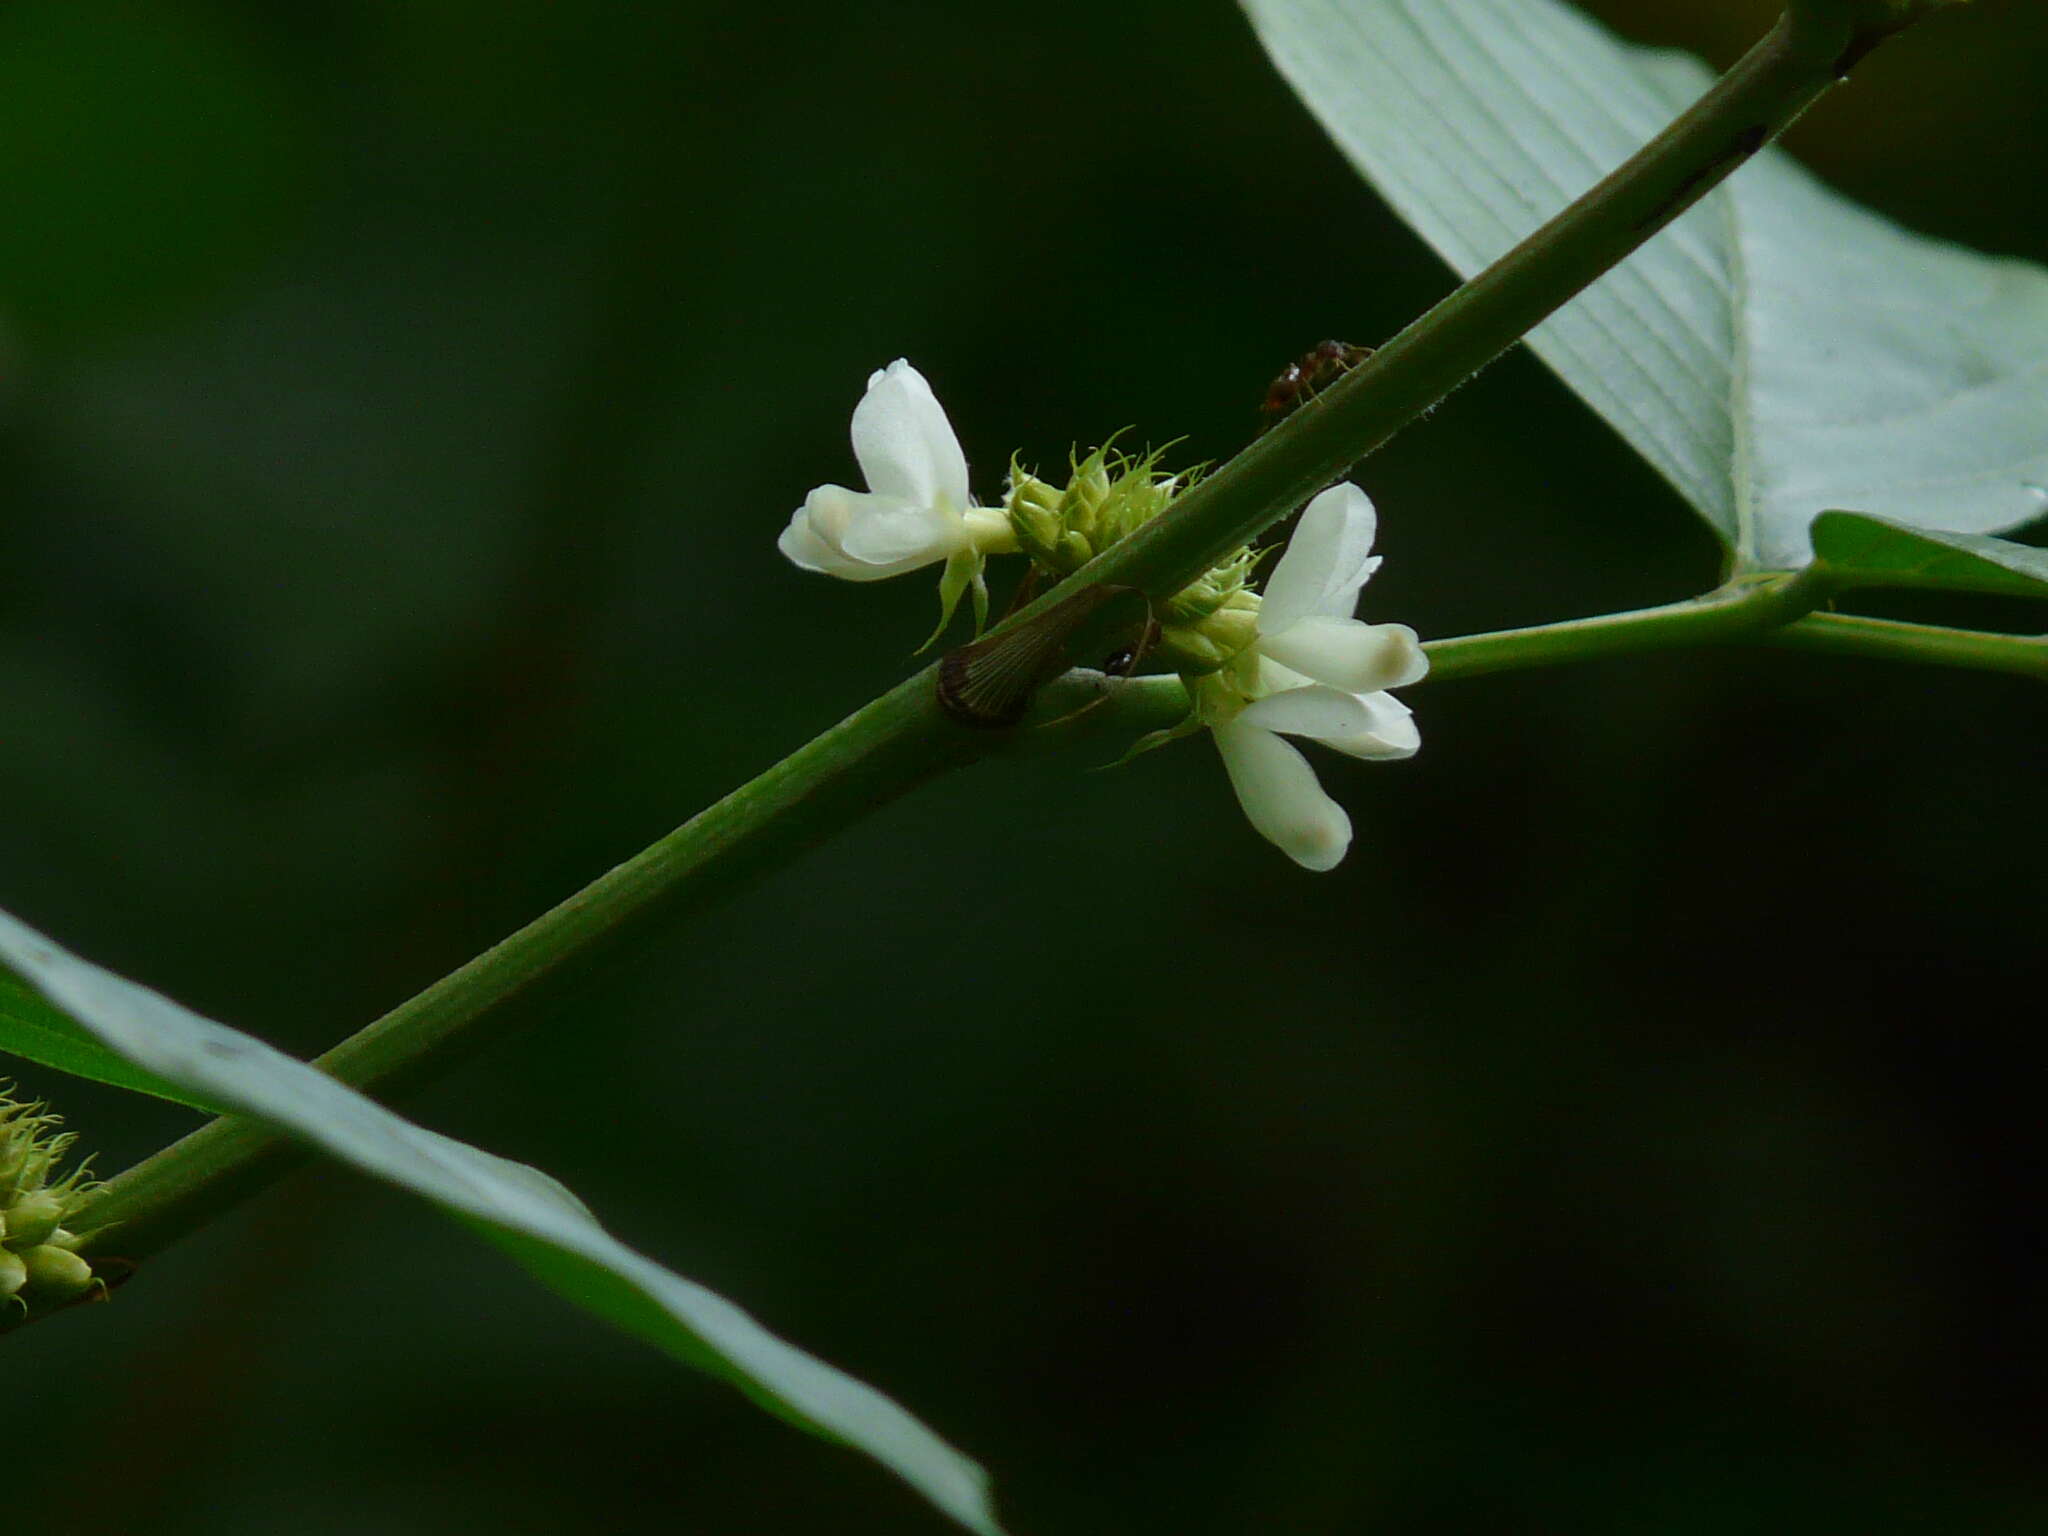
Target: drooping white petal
point(1391, 735)
point(804, 549)
point(858, 537)
point(1281, 798)
point(1348, 654)
point(904, 442)
point(890, 532)
point(1326, 561)
point(1314, 711)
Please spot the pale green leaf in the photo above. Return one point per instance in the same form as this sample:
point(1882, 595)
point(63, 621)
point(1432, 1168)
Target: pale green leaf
point(526, 1213)
point(32, 1029)
point(1778, 351)
point(1874, 551)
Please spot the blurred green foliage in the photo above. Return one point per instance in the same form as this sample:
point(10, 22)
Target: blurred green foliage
point(1637, 1135)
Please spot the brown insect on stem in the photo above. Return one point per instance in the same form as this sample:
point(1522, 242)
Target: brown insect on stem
point(1306, 377)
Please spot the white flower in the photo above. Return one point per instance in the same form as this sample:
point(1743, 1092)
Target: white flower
point(1313, 671)
point(916, 510)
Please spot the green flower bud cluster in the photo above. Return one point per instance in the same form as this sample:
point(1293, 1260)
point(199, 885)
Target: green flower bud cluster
point(1110, 495)
point(1212, 619)
point(37, 1261)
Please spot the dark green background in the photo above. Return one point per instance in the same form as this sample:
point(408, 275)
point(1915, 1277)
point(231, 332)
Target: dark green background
point(1638, 1135)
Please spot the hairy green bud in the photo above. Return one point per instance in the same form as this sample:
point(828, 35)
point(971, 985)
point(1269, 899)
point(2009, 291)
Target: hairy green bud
point(1034, 508)
point(33, 1219)
point(56, 1274)
point(1224, 585)
point(36, 1261)
point(1210, 639)
point(1109, 495)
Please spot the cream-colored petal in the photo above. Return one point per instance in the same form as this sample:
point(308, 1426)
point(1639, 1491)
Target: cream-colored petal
point(891, 532)
point(1281, 798)
point(1325, 563)
point(805, 549)
point(1391, 735)
point(1348, 654)
point(859, 537)
point(1314, 711)
point(1274, 678)
point(905, 444)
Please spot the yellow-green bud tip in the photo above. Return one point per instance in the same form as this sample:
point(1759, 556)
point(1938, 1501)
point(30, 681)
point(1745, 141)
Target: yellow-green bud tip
point(56, 1274)
point(33, 1218)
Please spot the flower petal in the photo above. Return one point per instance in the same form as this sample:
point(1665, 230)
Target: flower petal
point(891, 532)
point(859, 537)
point(1274, 678)
point(905, 445)
point(1313, 711)
point(1347, 654)
point(1391, 735)
point(1281, 797)
point(805, 549)
point(1326, 561)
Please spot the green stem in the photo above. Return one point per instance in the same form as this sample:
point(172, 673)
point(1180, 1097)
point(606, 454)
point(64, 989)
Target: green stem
point(1733, 612)
point(906, 737)
point(1776, 612)
point(868, 759)
point(1742, 611)
point(1889, 640)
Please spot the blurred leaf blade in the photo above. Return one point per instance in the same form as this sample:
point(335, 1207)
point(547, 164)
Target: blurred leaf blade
point(544, 1227)
point(1876, 551)
point(1779, 350)
point(32, 1029)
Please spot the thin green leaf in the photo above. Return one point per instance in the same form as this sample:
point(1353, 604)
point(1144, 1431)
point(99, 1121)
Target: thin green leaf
point(1876, 552)
point(1778, 351)
point(32, 1029)
point(521, 1210)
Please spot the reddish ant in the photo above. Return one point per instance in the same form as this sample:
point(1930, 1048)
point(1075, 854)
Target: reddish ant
point(1306, 377)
